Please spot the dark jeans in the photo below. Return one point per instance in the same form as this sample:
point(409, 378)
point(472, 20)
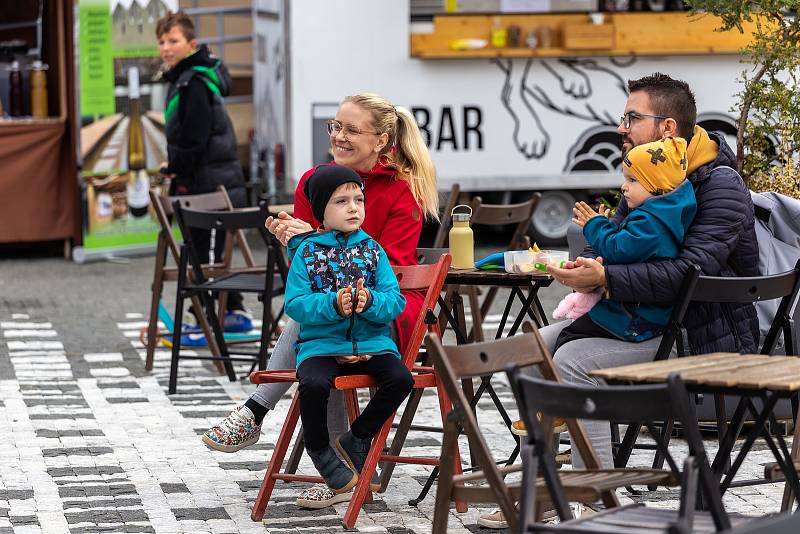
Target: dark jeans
point(316, 375)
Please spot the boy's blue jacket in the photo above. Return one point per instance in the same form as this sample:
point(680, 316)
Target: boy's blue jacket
point(655, 230)
point(322, 263)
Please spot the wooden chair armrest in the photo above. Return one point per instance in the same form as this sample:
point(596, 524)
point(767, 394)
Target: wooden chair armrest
point(273, 376)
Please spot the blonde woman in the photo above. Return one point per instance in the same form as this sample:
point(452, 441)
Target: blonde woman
point(383, 144)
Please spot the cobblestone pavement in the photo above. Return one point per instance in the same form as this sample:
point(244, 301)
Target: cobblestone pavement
point(94, 444)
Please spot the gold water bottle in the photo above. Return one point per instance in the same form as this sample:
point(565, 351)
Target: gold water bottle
point(462, 242)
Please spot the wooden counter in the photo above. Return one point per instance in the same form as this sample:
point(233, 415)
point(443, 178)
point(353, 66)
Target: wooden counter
point(633, 34)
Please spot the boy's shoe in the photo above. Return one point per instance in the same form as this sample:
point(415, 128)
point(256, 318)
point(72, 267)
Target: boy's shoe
point(238, 321)
point(354, 451)
point(338, 477)
point(235, 432)
point(320, 496)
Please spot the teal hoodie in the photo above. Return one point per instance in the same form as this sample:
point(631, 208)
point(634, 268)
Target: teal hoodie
point(653, 231)
point(322, 263)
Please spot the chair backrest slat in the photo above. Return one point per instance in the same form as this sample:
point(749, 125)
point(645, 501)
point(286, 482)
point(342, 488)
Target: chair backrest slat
point(503, 214)
point(486, 358)
point(744, 289)
point(241, 219)
point(621, 403)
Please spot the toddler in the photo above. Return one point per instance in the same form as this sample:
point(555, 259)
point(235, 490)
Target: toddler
point(662, 206)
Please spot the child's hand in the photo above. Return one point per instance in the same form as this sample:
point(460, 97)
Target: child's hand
point(345, 299)
point(583, 213)
point(362, 295)
point(604, 211)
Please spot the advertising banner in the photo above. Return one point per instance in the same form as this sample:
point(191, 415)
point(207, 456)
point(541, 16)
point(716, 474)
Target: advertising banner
point(122, 125)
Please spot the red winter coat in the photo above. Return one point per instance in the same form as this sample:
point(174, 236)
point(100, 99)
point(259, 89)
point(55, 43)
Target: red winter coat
point(394, 219)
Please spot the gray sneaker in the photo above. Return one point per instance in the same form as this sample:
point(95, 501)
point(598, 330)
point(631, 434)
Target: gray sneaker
point(339, 477)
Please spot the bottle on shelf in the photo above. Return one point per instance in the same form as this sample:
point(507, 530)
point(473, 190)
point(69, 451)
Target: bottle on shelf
point(138, 179)
point(39, 90)
point(499, 34)
point(15, 108)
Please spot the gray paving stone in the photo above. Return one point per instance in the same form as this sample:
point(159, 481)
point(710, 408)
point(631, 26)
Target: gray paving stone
point(77, 451)
point(250, 466)
point(15, 495)
point(81, 471)
point(200, 514)
point(168, 487)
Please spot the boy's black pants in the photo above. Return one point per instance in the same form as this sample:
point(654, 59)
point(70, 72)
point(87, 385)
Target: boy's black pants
point(316, 375)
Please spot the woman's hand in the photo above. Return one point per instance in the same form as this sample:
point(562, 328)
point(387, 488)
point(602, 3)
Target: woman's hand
point(583, 212)
point(362, 295)
point(284, 227)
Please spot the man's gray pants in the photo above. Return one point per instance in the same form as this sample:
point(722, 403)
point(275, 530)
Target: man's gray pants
point(576, 359)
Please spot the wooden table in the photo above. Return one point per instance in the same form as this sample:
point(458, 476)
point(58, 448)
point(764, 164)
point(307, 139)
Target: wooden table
point(518, 284)
point(750, 377)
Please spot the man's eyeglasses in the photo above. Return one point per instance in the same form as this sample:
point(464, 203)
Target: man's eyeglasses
point(334, 127)
point(625, 120)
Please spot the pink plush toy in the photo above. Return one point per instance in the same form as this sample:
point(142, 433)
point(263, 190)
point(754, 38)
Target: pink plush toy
point(576, 304)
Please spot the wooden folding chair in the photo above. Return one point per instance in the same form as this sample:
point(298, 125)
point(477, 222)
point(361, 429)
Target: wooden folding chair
point(267, 282)
point(167, 246)
point(441, 238)
point(429, 278)
point(648, 403)
point(458, 362)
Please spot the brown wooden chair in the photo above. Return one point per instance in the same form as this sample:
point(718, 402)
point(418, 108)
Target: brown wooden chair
point(440, 240)
point(465, 362)
point(168, 247)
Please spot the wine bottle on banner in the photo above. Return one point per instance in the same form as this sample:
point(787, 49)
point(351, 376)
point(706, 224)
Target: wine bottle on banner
point(138, 179)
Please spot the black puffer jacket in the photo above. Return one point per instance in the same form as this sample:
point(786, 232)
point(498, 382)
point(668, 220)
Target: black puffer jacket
point(722, 242)
point(201, 143)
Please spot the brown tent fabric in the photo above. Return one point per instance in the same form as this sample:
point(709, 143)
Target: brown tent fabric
point(39, 197)
point(37, 182)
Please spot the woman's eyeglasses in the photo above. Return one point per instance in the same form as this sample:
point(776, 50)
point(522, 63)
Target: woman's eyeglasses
point(334, 127)
point(625, 120)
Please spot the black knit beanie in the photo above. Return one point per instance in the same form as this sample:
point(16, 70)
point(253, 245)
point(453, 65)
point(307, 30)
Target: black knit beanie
point(323, 182)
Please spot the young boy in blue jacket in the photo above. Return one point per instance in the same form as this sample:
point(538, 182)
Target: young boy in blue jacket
point(662, 206)
point(343, 292)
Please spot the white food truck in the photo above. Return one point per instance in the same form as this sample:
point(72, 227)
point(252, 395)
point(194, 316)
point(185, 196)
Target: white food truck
point(502, 127)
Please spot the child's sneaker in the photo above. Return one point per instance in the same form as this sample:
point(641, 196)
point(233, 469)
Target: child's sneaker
point(354, 451)
point(238, 321)
point(235, 432)
point(320, 496)
point(194, 340)
point(338, 477)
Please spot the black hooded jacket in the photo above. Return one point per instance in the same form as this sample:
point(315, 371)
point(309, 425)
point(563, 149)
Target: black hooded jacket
point(722, 242)
point(201, 143)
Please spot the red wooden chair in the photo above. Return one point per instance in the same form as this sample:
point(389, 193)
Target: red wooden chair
point(429, 278)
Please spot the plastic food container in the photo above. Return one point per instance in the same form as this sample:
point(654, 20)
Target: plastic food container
point(525, 261)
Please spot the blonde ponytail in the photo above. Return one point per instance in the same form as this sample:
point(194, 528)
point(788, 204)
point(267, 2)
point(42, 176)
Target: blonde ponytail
point(406, 151)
